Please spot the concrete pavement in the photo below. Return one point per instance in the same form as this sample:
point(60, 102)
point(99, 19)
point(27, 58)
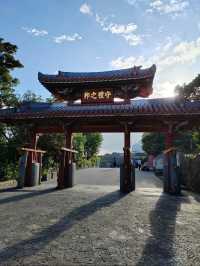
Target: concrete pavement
point(97, 225)
point(110, 176)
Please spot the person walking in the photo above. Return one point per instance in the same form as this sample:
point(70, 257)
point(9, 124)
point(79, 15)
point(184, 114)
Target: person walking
point(139, 164)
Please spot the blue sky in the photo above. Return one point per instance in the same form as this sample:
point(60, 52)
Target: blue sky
point(100, 35)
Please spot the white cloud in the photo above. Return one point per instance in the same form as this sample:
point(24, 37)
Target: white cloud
point(182, 53)
point(164, 89)
point(174, 7)
point(101, 20)
point(135, 2)
point(125, 31)
point(162, 86)
point(121, 29)
point(35, 32)
point(126, 62)
point(133, 39)
point(171, 60)
point(86, 9)
point(67, 38)
point(168, 45)
point(131, 2)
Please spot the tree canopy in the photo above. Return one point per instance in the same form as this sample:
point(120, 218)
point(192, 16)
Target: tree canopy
point(153, 143)
point(190, 91)
point(92, 144)
point(30, 96)
point(7, 64)
point(188, 142)
point(15, 137)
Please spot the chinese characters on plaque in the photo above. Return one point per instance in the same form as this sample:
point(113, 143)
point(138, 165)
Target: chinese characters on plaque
point(97, 96)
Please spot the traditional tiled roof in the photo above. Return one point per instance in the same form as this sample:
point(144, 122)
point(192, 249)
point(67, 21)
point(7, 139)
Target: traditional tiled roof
point(149, 107)
point(85, 77)
point(125, 83)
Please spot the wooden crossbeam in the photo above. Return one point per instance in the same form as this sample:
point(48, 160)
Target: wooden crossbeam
point(169, 150)
point(69, 150)
point(33, 150)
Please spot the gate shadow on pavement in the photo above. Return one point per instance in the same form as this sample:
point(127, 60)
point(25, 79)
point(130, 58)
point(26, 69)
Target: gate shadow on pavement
point(41, 239)
point(24, 194)
point(159, 248)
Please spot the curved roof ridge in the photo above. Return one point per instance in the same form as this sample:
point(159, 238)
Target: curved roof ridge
point(136, 71)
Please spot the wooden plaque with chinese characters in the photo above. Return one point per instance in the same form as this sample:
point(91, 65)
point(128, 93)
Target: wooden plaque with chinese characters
point(97, 96)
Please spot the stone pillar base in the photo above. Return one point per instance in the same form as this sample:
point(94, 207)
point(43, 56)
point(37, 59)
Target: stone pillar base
point(68, 177)
point(127, 179)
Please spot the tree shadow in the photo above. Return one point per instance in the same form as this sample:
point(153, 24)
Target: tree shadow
point(33, 245)
point(27, 195)
point(159, 248)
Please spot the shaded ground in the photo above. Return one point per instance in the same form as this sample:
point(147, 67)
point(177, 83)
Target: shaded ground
point(96, 225)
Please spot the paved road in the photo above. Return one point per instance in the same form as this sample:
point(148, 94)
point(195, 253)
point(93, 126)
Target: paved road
point(97, 225)
point(110, 176)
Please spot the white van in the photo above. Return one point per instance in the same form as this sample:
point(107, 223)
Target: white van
point(159, 165)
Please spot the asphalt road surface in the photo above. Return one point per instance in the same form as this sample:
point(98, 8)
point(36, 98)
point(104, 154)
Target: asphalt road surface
point(96, 225)
point(110, 176)
point(93, 224)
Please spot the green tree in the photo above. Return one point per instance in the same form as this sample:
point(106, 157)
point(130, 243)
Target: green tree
point(190, 91)
point(7, 98)
point(30, 96)
point(7, 82)
point(79, 141)
point(195, 144)
point(92, 144)
point(153, 143)
point(83, 143)
point(17, 135)
point(51, 143)
point(186, 142)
